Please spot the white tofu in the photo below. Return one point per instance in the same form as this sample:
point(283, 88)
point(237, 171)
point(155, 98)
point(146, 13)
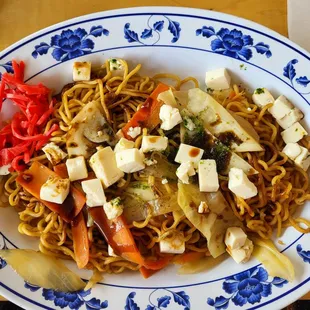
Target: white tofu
point(104, 165)
point(113, 208)
point(153, 143)
point(185, 171)
point(123, 144)
point(188, 153)
point(55, 189)
point(290, 119)
point(281, 107)
point(150, 161)
point(303, 159)
point(208, 177)
point(235, 238)
point(90, 220)
point(294, 133)
point(240, 185)
point(4, 170)
point(93, 189)
point(175, 245)
point(218, 79)
point(243, 254)
point(203, 208)
point(130, 161)
point(111, 251)
point(164, 181)
point(167, 97)
point(262, 97)
point(292, 150)
point(134, 132)
point(54, 153)
point(81, 71)
point(169, 116)
point(116, 67)
point(77, 169)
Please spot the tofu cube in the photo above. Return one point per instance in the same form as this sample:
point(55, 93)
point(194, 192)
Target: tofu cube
point(292, 150)
point(134, 132)
point(153, 143)
point(77, 169)
point(294, 133)
point(123, 144)
point(185, 171)
point(243, 254)
point(111, 252)
point(203, 208)
point(55, 189)
point(175, 245)
point(81, 71)
point(5, 170)
point(188, 153)
point(104, 165)
point(113, 208)
point(116, 67)
point(290, 119)
point(235, 238)
point(54, 153)
point(90, 220)
point(93, 189)
point(303, 159)
point(130, 161)
point(169, 116)
point(218, 79)
point(240, 185)
point(281, 107)
point(262, 97)
point(208, 177)
point(168, 98)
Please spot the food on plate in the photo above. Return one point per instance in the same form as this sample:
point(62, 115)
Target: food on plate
point(122, 172)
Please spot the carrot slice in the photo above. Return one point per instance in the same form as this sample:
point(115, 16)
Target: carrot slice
point(33, 179)
point(80, 240)
point(61, 170)
point(148, 115)
point(188, 257)
point(119, 237)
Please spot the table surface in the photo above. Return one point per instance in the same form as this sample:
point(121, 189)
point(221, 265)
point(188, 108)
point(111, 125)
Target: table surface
point(19, 18)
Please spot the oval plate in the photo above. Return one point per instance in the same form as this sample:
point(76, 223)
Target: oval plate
point(186, 42)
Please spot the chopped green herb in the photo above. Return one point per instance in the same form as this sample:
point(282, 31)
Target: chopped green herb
point(116, 202)
point(79, 72)
point(140, 186)
point(114, 61)
point(259, 91)
point(210, 90)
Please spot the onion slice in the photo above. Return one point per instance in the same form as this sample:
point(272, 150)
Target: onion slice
point(45, 271)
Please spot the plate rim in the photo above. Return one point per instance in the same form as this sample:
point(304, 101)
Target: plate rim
point(204, 14)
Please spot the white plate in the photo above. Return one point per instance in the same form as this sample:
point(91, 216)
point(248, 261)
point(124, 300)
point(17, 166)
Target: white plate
point(186, 42)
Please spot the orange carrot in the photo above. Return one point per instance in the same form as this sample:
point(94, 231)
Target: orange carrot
point(33, 179)
point(80, 240)
point(61, 170)
point(119, 237)
point(148, 115)
point(188, 257)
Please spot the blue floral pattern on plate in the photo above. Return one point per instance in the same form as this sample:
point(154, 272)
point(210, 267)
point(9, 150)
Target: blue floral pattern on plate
point(8, 67)
point(3, 247)
point(233, 43)
point(70, 43)
point(180, 298)
point(305, 255)
point(246, 287)
point(73, 300)
point(153, 30)
point(289, 72)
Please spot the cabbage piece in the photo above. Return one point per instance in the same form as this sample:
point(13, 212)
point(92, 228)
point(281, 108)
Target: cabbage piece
point(276, 263)
point(42, 270)
point(140, 200)
point(203, 264)
point(220, 122)
point(212, 225)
